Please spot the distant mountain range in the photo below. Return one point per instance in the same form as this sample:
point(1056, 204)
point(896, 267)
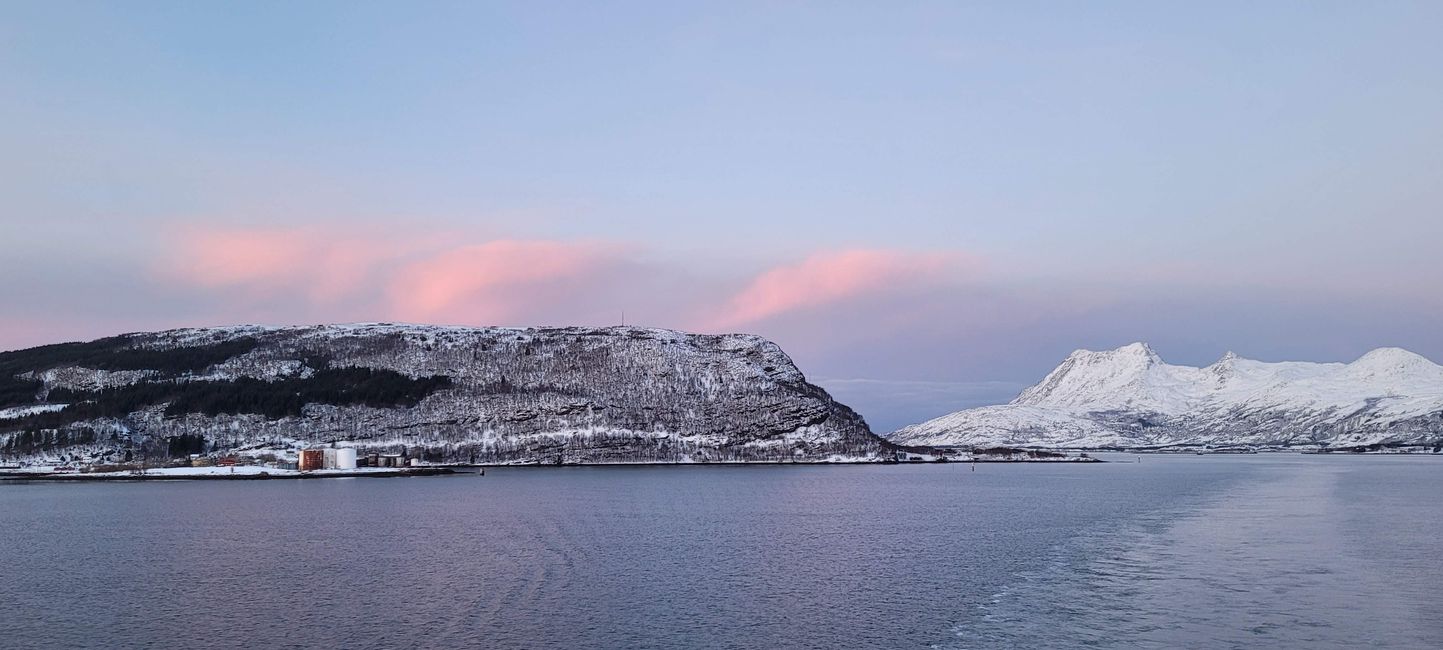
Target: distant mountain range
point(1130, 398)
point(486, 395)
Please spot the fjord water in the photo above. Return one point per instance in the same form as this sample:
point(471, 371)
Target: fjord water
point(1270, 550)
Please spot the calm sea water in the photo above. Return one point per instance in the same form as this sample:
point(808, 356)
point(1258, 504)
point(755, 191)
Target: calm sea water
point(1277, 551)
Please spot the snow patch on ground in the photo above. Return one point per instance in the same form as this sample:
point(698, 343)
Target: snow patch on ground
point(23, 411)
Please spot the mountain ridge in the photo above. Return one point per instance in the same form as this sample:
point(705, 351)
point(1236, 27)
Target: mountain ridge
point(453, 394)
point(1130, 397)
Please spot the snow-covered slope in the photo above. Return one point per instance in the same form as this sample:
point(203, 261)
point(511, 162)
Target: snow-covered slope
point(617, 394)
point(1130, 397)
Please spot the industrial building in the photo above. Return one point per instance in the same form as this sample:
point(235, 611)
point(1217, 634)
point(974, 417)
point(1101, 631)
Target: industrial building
point(390, 460)
point(310, 459)
point(328, 458)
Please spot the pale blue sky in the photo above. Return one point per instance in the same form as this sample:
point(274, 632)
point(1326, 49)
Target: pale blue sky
point(1258, 176)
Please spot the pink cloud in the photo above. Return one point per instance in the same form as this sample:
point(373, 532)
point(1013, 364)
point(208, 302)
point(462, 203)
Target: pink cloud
point(324, 264)
point(498, 280)
point(342, 272)
point(832, 277)
point(326, 273)
point(229, 257)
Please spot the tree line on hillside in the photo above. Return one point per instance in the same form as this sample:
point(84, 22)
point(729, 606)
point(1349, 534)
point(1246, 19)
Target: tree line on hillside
point(272, 399)
point(113, 353)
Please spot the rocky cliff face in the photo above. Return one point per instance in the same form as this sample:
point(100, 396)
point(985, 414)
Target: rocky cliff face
point(488, 395)
point(1129, 397)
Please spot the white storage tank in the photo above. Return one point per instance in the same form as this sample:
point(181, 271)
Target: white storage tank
point(330, 458)
point(345, 458)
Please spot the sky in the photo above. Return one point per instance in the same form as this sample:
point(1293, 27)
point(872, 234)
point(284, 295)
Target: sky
point(928, 205)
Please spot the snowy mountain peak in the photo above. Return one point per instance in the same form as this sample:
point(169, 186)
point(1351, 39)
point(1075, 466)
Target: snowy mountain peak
point(1392, 358)
point(1122, 373)
point(1225, 368)
point(1130, 397)
point(1138, 352)
point(1139, 349)
point(1394, 368)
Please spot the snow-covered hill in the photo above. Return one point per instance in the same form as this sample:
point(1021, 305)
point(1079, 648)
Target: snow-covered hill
point(617, 394)
point(1129, 397)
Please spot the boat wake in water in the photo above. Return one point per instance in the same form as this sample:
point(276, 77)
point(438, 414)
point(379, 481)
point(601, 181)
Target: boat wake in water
point(1287, 560)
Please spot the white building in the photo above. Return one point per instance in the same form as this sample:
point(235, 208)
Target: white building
point(339, 458)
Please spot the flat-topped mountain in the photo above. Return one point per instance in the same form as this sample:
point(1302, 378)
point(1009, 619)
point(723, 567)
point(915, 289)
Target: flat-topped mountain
point(1130, 397)
point(613, 394)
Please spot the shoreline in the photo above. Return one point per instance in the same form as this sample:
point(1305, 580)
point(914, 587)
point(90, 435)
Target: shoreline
point(271, 475)
point(267, 474)
point(256, 473)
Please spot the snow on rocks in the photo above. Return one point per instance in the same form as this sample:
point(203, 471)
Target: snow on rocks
point(1130, 397)
point(568, 394)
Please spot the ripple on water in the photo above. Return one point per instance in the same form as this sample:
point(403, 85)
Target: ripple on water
point(1171, 552)
point(1265, 564)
